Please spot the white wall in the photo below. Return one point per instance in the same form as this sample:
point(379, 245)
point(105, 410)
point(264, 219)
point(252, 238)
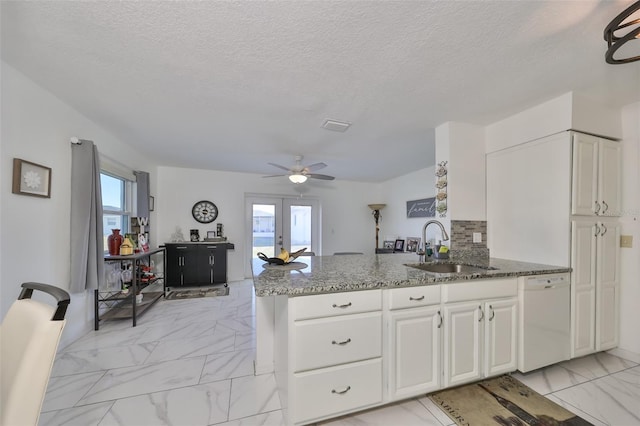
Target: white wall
point(395, 193)
point(36, 126)
point(567, 112)
point(346, 222)
point(630, 221)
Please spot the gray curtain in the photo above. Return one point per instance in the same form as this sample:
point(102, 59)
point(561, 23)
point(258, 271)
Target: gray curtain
point(142, 187)
point(87, 251)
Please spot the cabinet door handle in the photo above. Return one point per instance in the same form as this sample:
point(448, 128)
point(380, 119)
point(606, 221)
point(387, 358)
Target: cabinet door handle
point(597, 208)
point(493, 313)
point(416, 298)
point(440, 316)
point(342, 306)
point(597, 230)
point(213, 259)
point(347, 389)
point(606, 207)
point(481, 314)
point(604, 230)
point(344, 342)
point(181, 247)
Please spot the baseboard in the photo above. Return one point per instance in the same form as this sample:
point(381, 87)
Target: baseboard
point(625, 354)
point(262, 368)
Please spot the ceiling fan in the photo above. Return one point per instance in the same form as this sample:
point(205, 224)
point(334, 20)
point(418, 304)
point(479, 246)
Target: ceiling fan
point(299, 173)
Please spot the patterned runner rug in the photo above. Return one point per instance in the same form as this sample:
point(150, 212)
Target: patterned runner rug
point(502, 401)
point(195, 293)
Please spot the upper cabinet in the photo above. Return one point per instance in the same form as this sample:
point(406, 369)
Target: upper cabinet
point(596, 176)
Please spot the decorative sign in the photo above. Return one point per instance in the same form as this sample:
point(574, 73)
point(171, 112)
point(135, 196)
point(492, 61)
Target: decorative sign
point(422, 208)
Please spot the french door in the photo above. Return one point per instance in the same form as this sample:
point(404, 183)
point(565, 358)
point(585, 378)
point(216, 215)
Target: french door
point(280, 222)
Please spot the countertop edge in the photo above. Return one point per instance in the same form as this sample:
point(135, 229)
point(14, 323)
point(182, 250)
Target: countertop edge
point(430, 279)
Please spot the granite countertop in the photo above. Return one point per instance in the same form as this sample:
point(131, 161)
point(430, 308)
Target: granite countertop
point(332, 274)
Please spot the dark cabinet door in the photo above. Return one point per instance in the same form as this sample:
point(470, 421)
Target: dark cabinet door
point(174, 255)
point(192, 266)
point(220, 265)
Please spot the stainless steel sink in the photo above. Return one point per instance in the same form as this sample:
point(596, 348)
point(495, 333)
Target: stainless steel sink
point(448, 268)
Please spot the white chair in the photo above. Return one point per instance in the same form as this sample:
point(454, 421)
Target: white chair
point(29, 337)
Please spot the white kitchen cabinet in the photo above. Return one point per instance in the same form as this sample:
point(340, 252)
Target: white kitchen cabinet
point(414, 351)
point(333, 351)
point(463, 333)
point(480, 336)
point(501, 339)
point(595, 284)
point(413, 341)
point(597, 168)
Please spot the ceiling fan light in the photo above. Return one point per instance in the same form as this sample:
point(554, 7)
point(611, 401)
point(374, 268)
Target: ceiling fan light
point(297, 178)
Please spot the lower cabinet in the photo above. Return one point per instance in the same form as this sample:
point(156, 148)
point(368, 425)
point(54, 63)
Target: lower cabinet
point(196, 264)
point(344, 352)
point(480, 340)
point(414, 330)
point(334, 354)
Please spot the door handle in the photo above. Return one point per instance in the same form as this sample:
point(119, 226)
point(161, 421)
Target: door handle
point(346, 305)
point(280, 240)
point(347, 389)
point(604, 230)
point(597, 230)
point(344, 342)
point(440, 316)
point(493, 313)
point(481, 314)
point(606, 207)
point(417, 299)
point(597, 208)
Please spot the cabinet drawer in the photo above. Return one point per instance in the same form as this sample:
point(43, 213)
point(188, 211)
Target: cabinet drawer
point(329, 341)
point(413, 297)
point(479, 289)
point(336, 390)
point(328, 305)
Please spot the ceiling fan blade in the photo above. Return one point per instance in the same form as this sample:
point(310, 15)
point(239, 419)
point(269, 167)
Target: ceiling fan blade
point(316, 166)
point(274, 176)
point(318, 176)
point(279, 166)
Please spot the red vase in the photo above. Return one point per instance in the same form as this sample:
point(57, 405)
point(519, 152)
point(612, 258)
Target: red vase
point(114, 241)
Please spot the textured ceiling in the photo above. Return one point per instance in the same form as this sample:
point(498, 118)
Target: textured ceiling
point(233, 85)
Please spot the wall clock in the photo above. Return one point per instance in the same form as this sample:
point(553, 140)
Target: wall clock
point(204, 211)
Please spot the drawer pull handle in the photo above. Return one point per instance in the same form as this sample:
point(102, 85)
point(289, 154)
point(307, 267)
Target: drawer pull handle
point(342, 306)
point(416, 298)
point(344, 342)
point(347, 389)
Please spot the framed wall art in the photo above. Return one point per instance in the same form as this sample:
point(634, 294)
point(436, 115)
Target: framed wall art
point(31, 179)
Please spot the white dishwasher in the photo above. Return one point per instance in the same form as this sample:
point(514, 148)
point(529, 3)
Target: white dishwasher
point(545, 323)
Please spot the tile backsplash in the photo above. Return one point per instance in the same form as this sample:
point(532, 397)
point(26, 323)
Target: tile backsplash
point(462, 234)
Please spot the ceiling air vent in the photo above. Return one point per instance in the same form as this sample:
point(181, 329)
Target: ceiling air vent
point(336, 126)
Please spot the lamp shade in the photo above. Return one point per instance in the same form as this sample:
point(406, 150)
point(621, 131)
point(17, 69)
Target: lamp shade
point(297, 178)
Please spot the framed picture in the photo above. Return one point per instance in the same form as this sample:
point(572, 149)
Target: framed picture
point(413, 243)
point(399, 245)
point(31, 179)
point(388, 244)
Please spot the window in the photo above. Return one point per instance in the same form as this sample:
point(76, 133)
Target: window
point(116, 205)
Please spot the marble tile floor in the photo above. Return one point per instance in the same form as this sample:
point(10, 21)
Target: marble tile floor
point(190, 362)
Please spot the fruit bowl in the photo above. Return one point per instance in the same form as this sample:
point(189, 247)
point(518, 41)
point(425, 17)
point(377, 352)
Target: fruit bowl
point(282, 259)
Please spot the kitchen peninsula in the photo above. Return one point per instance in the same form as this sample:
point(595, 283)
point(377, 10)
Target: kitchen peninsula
point(351, 332)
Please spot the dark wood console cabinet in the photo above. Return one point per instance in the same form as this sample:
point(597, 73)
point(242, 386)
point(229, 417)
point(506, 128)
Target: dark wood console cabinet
point(196, 264)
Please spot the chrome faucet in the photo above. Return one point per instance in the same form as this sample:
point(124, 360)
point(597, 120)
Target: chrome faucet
point(445, 237)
